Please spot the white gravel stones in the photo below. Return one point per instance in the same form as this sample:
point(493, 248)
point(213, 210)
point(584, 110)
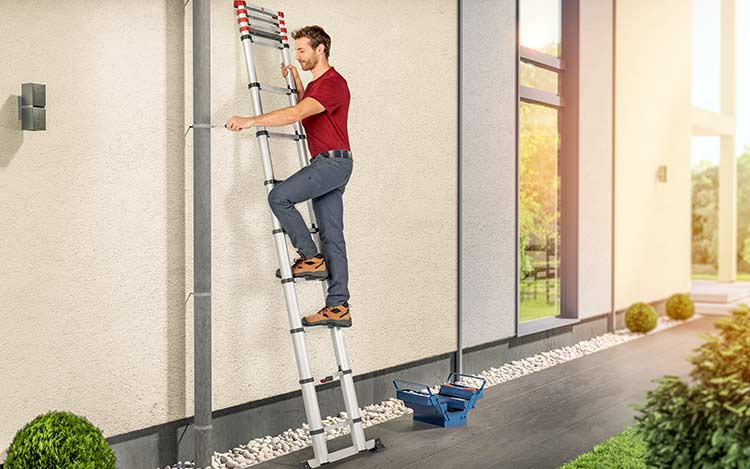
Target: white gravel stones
point(543, 360)
point(268, 447)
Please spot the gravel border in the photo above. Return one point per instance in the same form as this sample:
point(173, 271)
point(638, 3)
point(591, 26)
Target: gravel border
point(269, 447)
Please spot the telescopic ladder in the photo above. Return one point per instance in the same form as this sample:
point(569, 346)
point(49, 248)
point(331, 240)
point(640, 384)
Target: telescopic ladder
point(263, 27)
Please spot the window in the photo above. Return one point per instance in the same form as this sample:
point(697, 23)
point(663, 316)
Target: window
point(540, 112)
point(706, 55)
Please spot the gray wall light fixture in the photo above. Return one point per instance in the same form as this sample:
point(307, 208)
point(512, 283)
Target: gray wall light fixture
point(31, 106)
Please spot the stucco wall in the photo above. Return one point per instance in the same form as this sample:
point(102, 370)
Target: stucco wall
point(92, 254)
point(399, 205)
point(97, 209)
point(652, 128)
point(488, 171)
point(595, 158)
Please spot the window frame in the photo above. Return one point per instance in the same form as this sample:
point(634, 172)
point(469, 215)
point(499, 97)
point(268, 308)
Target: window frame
point(566, 104)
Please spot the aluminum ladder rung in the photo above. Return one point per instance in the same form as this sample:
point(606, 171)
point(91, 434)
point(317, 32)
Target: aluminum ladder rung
point(341, 424)
point(303, 280)
point(262, 34)
point(335, 376)
point(266, 42)
point(313, 229)
point(273, 89)
point(264, 26)
point(250, 14)
point(259, 19)
point(330, 379)
point(285, 136)
point(264, 11)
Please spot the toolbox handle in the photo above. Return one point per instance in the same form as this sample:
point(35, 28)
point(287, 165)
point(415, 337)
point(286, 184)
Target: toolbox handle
point(484, 380)
point(419, 385)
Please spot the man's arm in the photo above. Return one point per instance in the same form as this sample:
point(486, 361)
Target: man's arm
point(298, 85)
point(305, 108)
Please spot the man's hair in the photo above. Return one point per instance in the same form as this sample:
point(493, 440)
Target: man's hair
point(316, 35)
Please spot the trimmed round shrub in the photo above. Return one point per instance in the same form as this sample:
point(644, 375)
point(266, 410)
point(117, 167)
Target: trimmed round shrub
point(59, 439)
point(680, 306)
point(706, 423)
point(640, 317)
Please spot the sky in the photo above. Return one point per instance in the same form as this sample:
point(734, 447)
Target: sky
point(540, 26)
point(705, 73)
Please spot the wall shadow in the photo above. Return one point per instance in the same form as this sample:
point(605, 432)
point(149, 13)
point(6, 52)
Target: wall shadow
point(11, 135)
point(174, 38)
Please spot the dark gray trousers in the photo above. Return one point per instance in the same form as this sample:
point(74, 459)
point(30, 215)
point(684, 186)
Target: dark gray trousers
point(323, 181)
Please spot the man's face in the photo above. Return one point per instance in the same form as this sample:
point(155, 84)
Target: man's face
point(306, 55)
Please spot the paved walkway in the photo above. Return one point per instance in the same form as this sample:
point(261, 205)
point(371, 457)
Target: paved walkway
point(538, 421)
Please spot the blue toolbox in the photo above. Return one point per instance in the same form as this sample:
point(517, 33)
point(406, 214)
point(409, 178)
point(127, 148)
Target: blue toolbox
point(448, 408)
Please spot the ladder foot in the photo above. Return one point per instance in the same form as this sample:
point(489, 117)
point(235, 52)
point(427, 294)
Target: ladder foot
point(378, 445)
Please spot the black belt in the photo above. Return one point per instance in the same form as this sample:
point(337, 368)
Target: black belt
point(335, 154)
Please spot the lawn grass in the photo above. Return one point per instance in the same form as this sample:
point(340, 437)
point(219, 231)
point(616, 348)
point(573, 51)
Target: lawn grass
point(537, 308)
point(741, 277)
point(623, 451)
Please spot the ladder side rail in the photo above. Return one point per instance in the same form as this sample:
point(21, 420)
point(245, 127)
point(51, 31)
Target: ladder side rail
point(309, 396)
point(348, 390)
point(337, 336)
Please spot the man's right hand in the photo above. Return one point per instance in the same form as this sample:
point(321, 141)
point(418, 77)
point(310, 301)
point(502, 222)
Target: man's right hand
point(285, 70)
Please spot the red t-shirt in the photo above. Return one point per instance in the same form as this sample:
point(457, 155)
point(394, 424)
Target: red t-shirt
point(327, 130)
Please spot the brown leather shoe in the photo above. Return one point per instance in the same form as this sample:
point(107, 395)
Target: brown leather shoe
point(313, 268)
point(331, 316)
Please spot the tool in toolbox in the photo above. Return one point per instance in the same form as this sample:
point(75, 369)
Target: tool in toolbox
point(448, 408)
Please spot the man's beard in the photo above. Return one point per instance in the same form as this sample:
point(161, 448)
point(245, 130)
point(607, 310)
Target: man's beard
point(308, 65)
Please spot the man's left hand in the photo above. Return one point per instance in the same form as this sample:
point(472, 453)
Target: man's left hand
point(237, 123)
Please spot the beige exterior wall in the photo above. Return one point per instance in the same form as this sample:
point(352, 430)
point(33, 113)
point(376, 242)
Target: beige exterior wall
point(595, 159)
point(93, 246)
point(97, 261)
point(652, 236)
point(399, 205)
point(488, 205)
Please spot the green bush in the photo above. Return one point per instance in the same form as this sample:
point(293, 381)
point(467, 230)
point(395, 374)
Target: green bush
point(640, 317)
point(59, 440)
point(706, 424)
point(680, 306)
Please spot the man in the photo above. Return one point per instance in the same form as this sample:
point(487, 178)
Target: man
point(323, 109)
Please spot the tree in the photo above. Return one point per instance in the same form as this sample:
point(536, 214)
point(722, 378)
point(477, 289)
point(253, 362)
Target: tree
point(538, 165)
point(743, 211)
point(705, 223)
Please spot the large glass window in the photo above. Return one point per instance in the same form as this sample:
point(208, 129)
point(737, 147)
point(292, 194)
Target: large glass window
point(707, 33)
point(539, 163)
point(742, 59)
point(706, 54)
point(540, 25)
point(704, 157)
